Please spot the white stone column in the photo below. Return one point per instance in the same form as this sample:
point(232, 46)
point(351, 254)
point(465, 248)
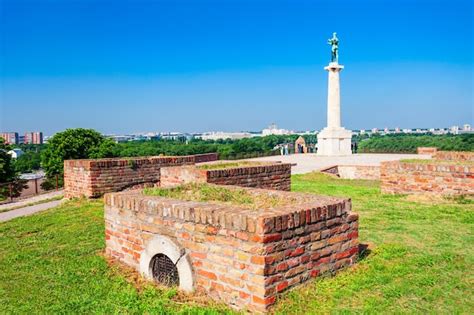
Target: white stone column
point(334, 96)
point(334, 140)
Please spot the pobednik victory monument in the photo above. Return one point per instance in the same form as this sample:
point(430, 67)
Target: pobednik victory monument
point(334, 140)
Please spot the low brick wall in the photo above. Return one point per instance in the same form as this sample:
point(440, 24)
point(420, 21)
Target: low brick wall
point(93, 178)
point(271, 176)
point(369, 172)
point(426, 150)
point(454, 155)
point(240, 256)
point(427, 178)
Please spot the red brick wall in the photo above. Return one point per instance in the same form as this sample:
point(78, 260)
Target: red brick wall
point(420, 178)
point(454, 155)
point(242, 257)
point(270, 176)
point(93, 178)
point(274, 176)
point(426, 150)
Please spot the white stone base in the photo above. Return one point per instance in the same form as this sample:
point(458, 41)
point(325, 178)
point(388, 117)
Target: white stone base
point(334, 142)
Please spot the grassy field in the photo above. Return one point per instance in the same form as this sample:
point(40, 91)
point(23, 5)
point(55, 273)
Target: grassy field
point(419, 260)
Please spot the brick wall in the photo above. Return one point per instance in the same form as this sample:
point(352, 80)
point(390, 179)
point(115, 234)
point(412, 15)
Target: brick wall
point(454, 155)
point(370, 172)
point(242, 257)
point(426, 150)
point(435, 178)
point(93, 178)
point(270, 176)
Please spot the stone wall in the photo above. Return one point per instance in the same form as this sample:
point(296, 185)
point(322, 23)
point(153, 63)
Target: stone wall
point(437, 178)
point(242, 257)
point(93, 178)
point(454, 155)
point(446, 155)
point(271, 176)
point(426, 150)
point(369, 172)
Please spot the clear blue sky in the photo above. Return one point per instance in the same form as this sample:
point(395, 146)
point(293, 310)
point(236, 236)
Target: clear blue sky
point(127, 66)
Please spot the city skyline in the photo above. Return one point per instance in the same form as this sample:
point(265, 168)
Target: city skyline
point(233, 66)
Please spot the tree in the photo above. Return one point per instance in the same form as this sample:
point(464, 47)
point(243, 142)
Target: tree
point(7, 169)
point(73, 144)
point(28, 162)
point(8, 174)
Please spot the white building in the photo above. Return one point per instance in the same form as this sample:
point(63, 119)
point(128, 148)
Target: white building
point(273, 130)
point(467, 127)
point(217, 135)
point(454, 130)
point(15, 153)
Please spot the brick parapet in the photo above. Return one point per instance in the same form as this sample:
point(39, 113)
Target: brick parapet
point(454, 156)
point(446, 178)
point(426, 150)
point(268, 175)
point(241, 256)
point(93, 178)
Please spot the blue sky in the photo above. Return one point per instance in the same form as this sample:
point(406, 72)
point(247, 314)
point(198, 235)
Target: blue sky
point(130, 66)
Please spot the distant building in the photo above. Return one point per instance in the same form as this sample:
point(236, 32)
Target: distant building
point(273, 130)
point(467, 127)
point(375, 130)
point(15, 153)
point(454, 130)
point(10, 137)
point(34, 137)
point(225, 135)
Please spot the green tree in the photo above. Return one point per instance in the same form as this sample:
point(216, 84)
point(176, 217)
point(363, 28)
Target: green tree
point(73, 144)
point(28, 162)
point(8, 174)
point(7, 169)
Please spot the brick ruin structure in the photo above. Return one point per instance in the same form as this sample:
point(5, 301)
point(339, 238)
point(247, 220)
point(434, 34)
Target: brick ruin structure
point(261, 175)
point(398, 177)
point(93, 177)
point(448, 173)
point(241, 256)
point(238, 255)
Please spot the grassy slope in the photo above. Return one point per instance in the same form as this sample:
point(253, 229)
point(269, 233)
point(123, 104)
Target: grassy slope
point(421, 260)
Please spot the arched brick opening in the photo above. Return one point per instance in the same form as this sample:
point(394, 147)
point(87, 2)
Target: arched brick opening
point(166, 262)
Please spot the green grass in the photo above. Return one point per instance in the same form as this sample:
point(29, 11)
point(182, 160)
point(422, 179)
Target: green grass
point(420, 260)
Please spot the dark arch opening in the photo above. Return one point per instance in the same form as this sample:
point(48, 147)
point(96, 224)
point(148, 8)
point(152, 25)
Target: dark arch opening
point(164, 270)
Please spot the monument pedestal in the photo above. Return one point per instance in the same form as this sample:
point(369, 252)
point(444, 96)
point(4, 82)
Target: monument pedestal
point(334, 140)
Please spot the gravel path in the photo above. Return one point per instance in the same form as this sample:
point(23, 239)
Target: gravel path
point(26, 201)
point(5, 216)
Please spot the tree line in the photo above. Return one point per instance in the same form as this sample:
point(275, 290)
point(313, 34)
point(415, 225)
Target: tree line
point(400, 143)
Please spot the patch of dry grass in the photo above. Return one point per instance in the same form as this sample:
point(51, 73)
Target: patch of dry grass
point(221, 194)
